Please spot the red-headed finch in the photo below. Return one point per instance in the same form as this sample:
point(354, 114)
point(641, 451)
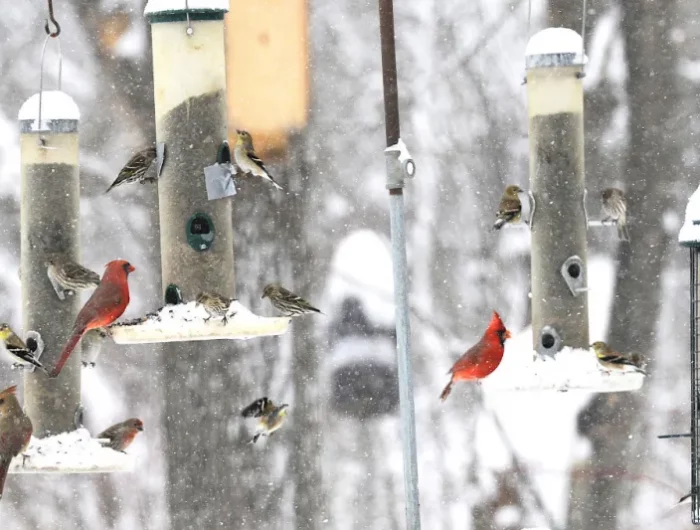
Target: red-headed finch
point(106, 305)
point(615, 209)
point(613, 360)
point(481, 359)
point(15, 431)
point(271, 416)
point(135, 169)
point(120, 436)
point(67, 276)
point(246, 159)
point(510, 207)
point(17, 348)
point(286, 301)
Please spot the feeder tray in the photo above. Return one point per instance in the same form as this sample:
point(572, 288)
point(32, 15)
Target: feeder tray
point(71, 452)
point(186, 322)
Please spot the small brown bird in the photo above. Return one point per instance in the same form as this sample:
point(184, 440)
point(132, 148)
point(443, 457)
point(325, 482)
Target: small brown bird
point(613, 360)
point(15, 431)
point(17, 348)
point(510, 207)
point(68, 277)
point(247, 160)
point(286, 301)
point(216, 305)
point(135, 169)
point(615, 209)
point(120, 436)
point(271, 416)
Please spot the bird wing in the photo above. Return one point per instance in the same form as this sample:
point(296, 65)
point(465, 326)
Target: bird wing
point(295, 298)
point(257, 408)
point(14, 343)
point(509, 208)
point(256, 160)
point(74, 270)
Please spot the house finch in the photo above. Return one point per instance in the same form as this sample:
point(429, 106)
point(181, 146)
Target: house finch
point(69, 277)
point(271, 416)
point(120, 436)
point(286, 301)
point(510, 208)
point(15, 431)
point(106, 305)
point(613, 360)
point(215, 305)
point(18, 349)
point(481, 359)
point(135, 169)
point(247, 160)
point(615, 209)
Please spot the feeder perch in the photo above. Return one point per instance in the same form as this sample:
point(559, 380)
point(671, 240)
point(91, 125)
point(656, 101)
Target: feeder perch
point(71, 452)
point(160, 157)
point(572, 270)
point(187, 322)
point(550, 342)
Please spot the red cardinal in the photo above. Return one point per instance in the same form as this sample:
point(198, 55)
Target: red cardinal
point(106, 305)
point(481, 359)
point(15, 431)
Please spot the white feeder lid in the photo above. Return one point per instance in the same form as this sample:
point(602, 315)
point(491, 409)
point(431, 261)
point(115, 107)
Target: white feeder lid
point(56, 106)
point(689, 235)
point(154, 7)
point(554, 47)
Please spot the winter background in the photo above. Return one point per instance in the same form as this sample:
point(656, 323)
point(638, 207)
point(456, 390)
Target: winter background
point(487, 459)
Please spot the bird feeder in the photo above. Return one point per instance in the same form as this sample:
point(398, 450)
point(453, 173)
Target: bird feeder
point(690, 237)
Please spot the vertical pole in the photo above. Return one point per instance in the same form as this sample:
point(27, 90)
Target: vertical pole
point(557, 181)
point(189, 78)
point(395, 184)
point(50, 199)
point(694, 352)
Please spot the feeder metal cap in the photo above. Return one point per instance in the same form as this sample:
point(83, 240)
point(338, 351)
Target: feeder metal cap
point(59, 113)
point(689, 235)
point(156, 8)
point(554, 47)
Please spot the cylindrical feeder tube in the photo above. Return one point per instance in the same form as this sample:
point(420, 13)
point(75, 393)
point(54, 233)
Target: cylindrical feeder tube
point(555, 61)
point(50, 200)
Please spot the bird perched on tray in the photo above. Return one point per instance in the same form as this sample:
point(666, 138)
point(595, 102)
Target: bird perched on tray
point(613, 360)
point(271, 416)
point(66, 276)
point(120, 436)
point(216, 305)
point(106, 305)
point(246, 159)
point(615, 209)
point(135, 169)
point(481, 359)
point(18, 349)
point(510, 207)
point(286, 301)
point(15, 431)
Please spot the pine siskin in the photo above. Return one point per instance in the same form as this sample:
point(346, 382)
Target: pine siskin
point(510, 208)
point(69, 277)
point(613, 360)
point(135, 169)
point(286, 301)
point(615, 209)
point(18, 349)
point(271, 416)
point(215, 305)
point(246, 159)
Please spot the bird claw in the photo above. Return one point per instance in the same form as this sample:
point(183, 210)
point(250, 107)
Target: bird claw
point(25, 457)
point(78, 417)
point(89, 364)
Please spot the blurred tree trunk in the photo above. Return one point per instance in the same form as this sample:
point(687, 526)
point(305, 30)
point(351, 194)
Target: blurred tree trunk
point(652, 164)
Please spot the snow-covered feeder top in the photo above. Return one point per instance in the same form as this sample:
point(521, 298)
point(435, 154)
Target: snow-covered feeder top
point(689, 235)
point(59, 113)
point(177, 10)
point(554, 47)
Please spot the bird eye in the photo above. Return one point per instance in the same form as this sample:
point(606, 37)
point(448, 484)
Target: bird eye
point(2, 401)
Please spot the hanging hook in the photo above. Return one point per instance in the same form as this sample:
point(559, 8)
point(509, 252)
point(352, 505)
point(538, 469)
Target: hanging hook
point(190, 29)
point(53, 21)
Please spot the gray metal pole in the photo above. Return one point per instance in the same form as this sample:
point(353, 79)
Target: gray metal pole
point(557, 181)
point(395, 184)
point(50, 202)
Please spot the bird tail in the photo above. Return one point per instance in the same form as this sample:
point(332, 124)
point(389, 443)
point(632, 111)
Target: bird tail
point(446, 391)
point(623, 232)
point(4, 468)
point(67, 350)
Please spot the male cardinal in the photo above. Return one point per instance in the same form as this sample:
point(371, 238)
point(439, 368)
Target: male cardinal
point(120, 436)
point(106, 305)
point(15, 431)
point(481, 359)
point(286, 301)
point(510, 208)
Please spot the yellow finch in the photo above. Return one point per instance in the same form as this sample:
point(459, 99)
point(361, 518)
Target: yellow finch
point(286, 301)
point(246, 159)
point(613, 360)
point(17, 348)
point(216, 305)
point(271, 416)
point(615, 209)
point(135, 169)
point(510, 208)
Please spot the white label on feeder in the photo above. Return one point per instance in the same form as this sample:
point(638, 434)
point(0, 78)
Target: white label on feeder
point(219, 182)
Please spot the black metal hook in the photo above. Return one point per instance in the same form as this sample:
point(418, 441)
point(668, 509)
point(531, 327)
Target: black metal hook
point(53, 21)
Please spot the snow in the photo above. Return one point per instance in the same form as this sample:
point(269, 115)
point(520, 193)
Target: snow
point(70, 452)
point(55, 105)
point(690, 231)
point(554, 41)
point(186, 322)
point(169, 6)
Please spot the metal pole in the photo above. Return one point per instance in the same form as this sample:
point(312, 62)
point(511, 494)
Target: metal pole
point(50, 200)
point(694, 349)
point(395, 183)
point(557, 182)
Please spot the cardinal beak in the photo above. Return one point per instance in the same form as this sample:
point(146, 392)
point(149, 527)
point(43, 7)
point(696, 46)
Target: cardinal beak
point(508, 335)
point(131, 268)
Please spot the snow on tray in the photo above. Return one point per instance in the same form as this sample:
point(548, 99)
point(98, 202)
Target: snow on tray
point(554, 42)
point(169, 6)
point(571, 369)
point(55, 105)
point(70, 452)
point(690, 231)
point(186, 322)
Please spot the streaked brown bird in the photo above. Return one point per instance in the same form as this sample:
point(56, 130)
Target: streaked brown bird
point(271, 416)
point(17, 348)
point(135, 169)
point(15, 431)
point(216, 305)
point(68, 277)
point(120, 436)
point(615, 209)
point(613, 360)
point(510, 208)
point(287, 302)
